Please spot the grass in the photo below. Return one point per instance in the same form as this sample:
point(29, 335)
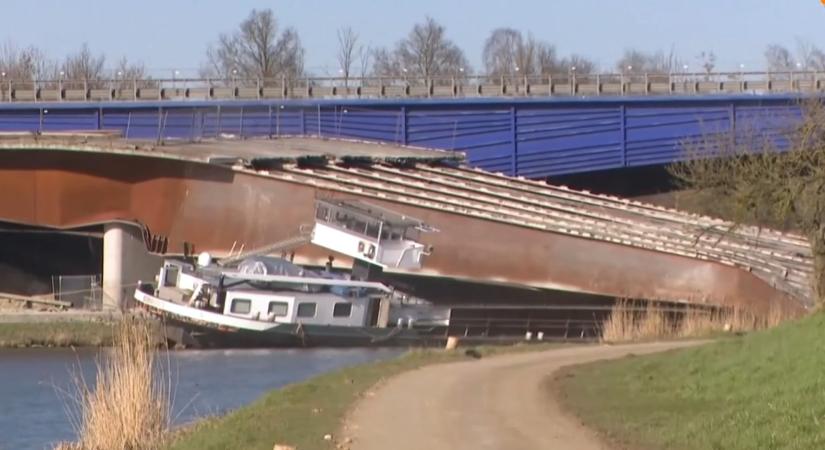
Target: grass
point(630, 323)
point(764, 390)
point(128, 407)
point(301, 414)
point(56, 334)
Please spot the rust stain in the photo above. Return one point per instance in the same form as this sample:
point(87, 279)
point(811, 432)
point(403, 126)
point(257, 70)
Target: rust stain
point(215, 208)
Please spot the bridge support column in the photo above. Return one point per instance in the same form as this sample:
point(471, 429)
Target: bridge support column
point(125, 262)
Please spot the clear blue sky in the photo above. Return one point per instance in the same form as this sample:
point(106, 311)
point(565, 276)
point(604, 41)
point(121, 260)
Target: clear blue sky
point(174, 34)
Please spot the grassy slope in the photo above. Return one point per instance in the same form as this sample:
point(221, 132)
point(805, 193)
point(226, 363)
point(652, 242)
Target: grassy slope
point(58, 334)
point(301, 414)
point(761, 391)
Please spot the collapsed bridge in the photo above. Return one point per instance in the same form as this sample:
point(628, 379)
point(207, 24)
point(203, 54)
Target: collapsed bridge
point(224, 195)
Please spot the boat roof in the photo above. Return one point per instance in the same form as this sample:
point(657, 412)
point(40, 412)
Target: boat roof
point(213, 273)
point(373, 212)
point(306, 280)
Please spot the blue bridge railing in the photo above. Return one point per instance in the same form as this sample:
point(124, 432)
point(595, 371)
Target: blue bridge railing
point(529, 137)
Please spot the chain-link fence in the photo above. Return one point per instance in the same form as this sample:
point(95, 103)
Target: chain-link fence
point(82, 291)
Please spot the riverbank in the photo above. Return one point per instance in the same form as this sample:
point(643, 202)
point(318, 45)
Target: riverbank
point(302, 414)
point(39, 331)
point(20, 328)
point(760, 390)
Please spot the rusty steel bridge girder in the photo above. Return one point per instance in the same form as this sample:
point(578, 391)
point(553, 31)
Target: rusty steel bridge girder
point(218, 208)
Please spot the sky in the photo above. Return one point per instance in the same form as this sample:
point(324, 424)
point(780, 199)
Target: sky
point(168, 35)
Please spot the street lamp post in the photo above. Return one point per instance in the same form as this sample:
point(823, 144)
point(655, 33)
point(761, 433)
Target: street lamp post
point(60, 85)
point(625, 81)
point(573, 79)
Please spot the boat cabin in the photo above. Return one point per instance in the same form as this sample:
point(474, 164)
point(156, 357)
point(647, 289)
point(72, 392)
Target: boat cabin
point(370, 233)
point(309, 309)
point(272, 298)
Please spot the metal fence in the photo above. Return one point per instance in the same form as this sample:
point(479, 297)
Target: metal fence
point(82, 291)
point(566, 84)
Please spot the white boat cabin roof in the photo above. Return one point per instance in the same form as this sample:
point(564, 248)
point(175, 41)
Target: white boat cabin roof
point(330, 210)
point(234, 279)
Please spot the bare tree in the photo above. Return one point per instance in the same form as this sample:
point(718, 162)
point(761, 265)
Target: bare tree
point(707, 61)
point(745, 177)
point(809, 56)
point(364, 58)
point(83, 66)
point(547, 60)
point(127, 70)
point(638, 62)
point(632, 61)
point(815, 60)
point(258, 49)
point(501, 52)
point(508, 53)
point(386, 64)
point(778, 58)
point(425, 52)
point(347, 52)
point(578, 64)
point(127, 73)
point(24, 64)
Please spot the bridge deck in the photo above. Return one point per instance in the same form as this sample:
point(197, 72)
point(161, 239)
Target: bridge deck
point(227, 150)
point(528, 136)
point(493, 226)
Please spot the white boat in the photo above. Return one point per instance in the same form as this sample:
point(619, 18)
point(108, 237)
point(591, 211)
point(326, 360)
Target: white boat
point(252, 300)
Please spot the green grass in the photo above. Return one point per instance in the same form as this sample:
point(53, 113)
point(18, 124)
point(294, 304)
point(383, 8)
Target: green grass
point(301, 414)
point(56, 334)
point(765, 390)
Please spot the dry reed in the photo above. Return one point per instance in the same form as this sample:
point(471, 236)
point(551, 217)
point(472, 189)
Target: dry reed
point(129, 407)
point(628, 323)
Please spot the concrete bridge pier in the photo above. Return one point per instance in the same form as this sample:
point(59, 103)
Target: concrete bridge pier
point(125, 262)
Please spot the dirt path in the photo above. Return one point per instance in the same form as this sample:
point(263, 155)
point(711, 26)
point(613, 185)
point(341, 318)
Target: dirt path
point(495, 403)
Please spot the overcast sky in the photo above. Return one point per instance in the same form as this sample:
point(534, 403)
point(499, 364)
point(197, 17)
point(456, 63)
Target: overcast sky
point(173, 34)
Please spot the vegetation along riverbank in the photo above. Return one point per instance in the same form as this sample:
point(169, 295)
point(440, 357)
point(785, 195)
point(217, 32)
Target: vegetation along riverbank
point(760, 390)
point(80, 333)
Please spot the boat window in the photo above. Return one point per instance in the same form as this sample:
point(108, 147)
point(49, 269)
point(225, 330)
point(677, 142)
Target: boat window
point(278, 309)
point(241, 306)
point(373, 229)
point(322, 213)
point(358, 226)
point(342, 310)
point(306, 310)
point(170, 275)
point(342, 219)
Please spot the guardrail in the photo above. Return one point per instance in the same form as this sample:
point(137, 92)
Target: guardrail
point(558, 85)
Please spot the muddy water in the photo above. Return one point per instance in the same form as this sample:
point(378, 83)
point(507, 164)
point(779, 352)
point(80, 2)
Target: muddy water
point(36, 387)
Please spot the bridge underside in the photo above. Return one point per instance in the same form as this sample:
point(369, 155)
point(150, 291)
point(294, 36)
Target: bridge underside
point(493, 229)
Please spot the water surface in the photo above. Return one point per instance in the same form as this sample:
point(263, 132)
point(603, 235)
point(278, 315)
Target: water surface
point(36, 388)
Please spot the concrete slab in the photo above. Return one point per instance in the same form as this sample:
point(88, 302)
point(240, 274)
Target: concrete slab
point(224, 151)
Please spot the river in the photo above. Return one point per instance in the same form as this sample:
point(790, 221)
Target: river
point(37, 391)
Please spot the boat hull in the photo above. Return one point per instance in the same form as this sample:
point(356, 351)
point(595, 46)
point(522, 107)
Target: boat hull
point(189, 335)
point(192, 327)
